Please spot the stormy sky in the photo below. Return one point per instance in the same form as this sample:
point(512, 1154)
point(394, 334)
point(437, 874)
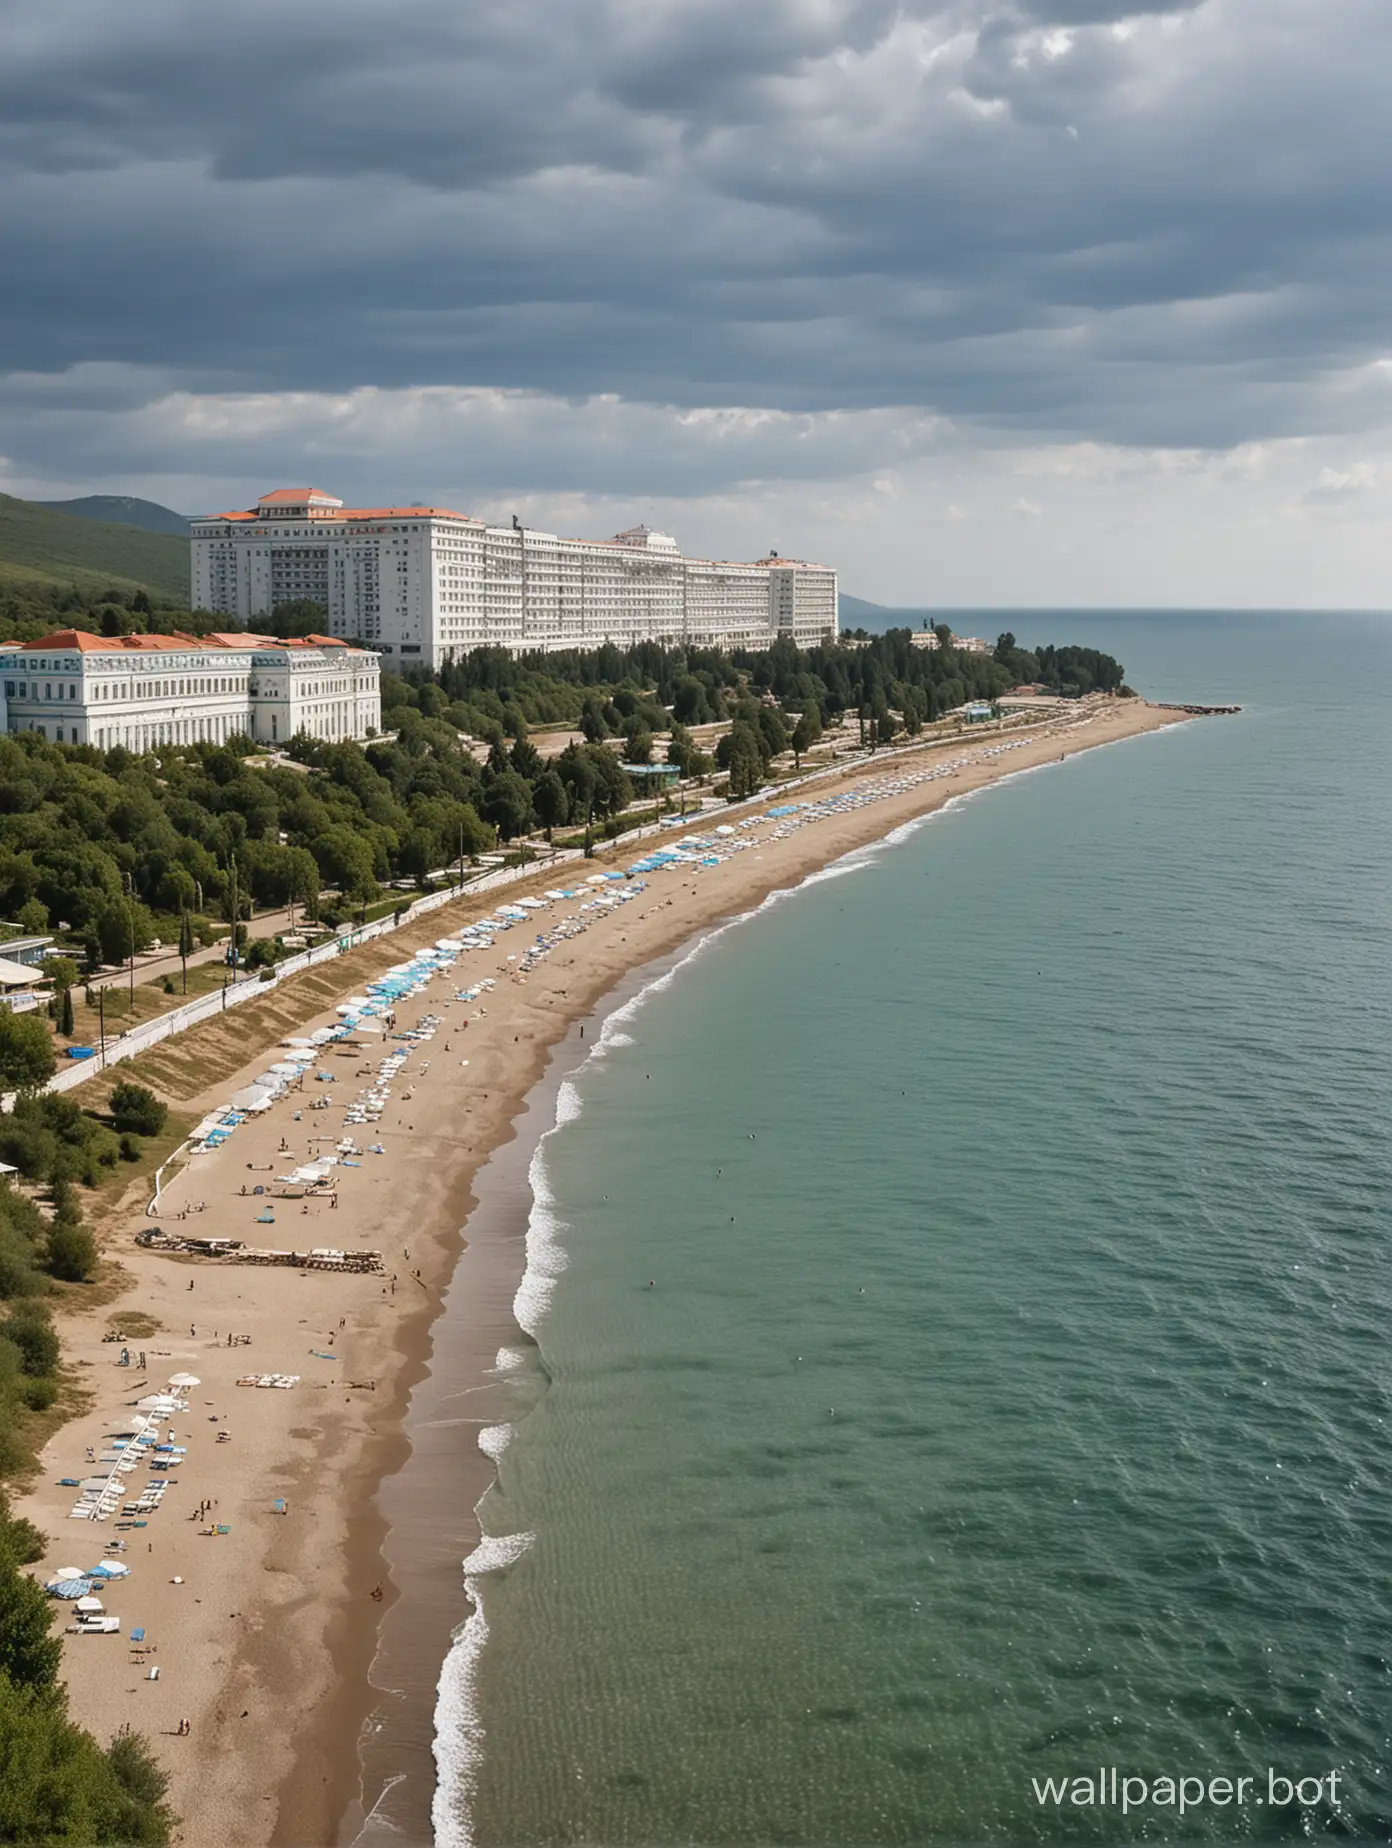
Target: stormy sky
point(1051, 301)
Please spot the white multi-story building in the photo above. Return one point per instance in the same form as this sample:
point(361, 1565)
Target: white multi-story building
point(143, 691)
point(422, 585)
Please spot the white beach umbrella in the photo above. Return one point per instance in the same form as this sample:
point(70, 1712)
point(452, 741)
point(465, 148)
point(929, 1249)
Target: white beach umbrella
point(69, 1572)
point(94, 1605)
point(184, 1379)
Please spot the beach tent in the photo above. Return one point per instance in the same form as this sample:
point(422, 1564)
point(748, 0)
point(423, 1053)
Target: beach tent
point(93, 1605)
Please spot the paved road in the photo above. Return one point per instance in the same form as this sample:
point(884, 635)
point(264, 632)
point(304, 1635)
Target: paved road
point(166, 962)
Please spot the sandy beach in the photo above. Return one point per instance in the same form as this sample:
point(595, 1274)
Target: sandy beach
point(259, 1611)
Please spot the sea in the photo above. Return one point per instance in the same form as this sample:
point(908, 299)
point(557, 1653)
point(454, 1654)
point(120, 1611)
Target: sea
point(952, 1371)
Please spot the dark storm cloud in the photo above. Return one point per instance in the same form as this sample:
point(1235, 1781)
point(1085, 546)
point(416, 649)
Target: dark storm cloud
point(1158, 224)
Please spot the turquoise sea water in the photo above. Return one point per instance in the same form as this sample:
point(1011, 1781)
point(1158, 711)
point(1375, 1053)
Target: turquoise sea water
point(1013, 1397)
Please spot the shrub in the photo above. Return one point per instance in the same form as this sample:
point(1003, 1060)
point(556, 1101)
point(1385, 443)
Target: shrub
point(72, 1253)
point(134, 1108)
point(31, 1331)
point(40, 1394)
point(130, 1148)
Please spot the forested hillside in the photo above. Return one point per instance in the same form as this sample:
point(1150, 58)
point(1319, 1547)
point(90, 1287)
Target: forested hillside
point(39, 545)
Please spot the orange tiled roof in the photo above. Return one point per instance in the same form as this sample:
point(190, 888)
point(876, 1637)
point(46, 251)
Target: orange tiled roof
point(79, 642)
point(356, 513)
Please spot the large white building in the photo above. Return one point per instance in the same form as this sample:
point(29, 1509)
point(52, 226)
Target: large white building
point(423, 584)
point(142, 691)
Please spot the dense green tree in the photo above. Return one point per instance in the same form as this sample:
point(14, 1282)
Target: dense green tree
point(26, 1052)
point(72, 1253)
point(345, 860)
point(803, 738)
point(29, 1652)
point(134, 1107)
point(507, 804)
point(551, 802)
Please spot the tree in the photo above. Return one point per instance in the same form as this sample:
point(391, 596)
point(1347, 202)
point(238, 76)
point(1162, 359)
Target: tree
point(185, 944)
point(137, 1109)
point(33, 1333)
point(72, 1253)
point(744, 760)
point(123, 927)
point(804, 737)
point(682, 750)
point(345, 860)
point(26, 1052)
point(638, 748)
point(29, 1653)
point(550, 801)
point(302, 881)
point(65, 1013)
point(33, 917)
point(592, 722)
point(507, 803)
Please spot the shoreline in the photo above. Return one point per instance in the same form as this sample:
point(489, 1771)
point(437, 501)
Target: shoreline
point(276, 1625)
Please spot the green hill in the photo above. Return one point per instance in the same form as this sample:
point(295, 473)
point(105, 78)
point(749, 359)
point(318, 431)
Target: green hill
point(38, 544)
point(122, 510)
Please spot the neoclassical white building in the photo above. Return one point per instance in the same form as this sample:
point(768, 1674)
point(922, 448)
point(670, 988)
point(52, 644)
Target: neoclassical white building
point(421, 585)
point(143, 691)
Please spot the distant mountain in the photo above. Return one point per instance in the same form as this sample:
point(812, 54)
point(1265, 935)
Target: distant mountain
point(856, 613)
point(41, 545)
point(122, 510)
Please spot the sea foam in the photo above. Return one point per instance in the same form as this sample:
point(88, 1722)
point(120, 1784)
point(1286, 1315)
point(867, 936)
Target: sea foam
point(459, 1730)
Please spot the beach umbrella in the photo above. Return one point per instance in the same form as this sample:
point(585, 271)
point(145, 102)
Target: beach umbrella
point(69, 1572)
point(90, 1604)
point(111, 1568)
point(184, 1379)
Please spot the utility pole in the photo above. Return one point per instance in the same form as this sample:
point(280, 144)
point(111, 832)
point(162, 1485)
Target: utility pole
point(461, 856)
point(101, 1016)
point(233, 861)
